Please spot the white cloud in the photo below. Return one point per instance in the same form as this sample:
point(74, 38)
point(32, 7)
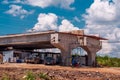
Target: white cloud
point(5, 2)
point(13, 1)
point(46, 3)
point(103, 18)
point(67, 26)
point(66, 4)
point(77, 19)
point(41, 3)
point(49, 22)
point(17, 1)
point(46, 22)
point(16, 10)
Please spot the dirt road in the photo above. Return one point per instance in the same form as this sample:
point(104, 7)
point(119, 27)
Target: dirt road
point(17, 71)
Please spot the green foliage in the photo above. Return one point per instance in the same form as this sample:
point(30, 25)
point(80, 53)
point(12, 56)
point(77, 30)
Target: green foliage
point(44, 76)
point(75, 55)
point(107, 61)
point(5, 77)
point(30, 76)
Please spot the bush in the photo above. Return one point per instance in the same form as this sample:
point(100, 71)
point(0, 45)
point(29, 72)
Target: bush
point(5, 77)
point(108, 61)
point(29, 76)
point(44, 76)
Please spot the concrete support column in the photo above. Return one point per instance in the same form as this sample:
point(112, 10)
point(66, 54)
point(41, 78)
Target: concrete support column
point(66, 58)
point(91, 58)
point(1, 58)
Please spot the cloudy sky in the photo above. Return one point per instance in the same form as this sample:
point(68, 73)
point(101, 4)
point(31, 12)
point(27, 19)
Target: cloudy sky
point(94, 16)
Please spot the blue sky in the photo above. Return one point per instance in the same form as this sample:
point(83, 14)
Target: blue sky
point(101, 17)
point(10, 24)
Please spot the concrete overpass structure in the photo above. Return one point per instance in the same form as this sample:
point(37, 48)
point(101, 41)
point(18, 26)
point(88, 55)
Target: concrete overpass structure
point(65, 41)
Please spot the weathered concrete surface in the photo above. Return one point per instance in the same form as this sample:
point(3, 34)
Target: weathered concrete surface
point(51, 39)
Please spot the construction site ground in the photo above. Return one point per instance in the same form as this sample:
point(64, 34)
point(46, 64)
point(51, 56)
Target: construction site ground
point(17, 71)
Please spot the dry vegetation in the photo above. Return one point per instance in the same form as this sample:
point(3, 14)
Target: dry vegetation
point(108, 61)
